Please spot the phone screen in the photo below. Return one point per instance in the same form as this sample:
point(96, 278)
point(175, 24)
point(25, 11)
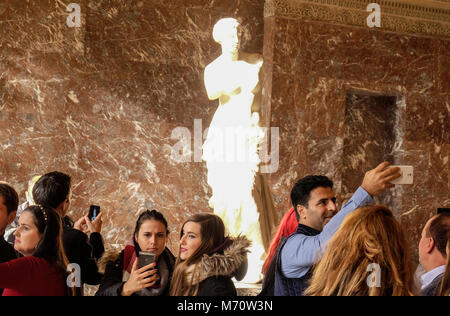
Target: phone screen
point(145, 258)
point(441, 210)
point(94, 210)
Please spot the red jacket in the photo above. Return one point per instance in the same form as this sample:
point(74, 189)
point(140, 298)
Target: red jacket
point(31, 276)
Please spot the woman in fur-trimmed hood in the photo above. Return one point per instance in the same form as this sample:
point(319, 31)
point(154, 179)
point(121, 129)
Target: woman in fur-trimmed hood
point(208, 260)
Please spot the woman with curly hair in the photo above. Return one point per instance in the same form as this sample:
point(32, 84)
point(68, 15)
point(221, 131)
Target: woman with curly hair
point(366, 257)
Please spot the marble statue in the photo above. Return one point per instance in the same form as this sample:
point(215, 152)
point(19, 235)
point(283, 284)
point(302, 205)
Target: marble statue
point(231, 146)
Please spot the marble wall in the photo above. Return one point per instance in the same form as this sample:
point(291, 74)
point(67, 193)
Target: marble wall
point(370, 134)
point(315, 67)
point(100, 101)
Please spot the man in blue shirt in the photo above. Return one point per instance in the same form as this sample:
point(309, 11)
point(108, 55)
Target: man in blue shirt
point(315, 202)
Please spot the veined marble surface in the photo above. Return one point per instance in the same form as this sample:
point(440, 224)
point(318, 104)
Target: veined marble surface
point(100, 102)
point(315, 66)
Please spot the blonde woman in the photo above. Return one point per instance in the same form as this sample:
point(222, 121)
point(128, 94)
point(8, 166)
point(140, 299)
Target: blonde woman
point(366, 257)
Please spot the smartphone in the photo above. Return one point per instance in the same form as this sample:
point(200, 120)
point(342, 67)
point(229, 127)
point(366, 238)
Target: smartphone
point(407, 175)
point(441, 210)
point(145, 258)
point(94, 210)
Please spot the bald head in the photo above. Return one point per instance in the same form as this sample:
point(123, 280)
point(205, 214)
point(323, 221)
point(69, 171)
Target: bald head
point(438, 228)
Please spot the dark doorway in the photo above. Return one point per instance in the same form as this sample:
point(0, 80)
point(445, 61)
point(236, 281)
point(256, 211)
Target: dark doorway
point(369, 138)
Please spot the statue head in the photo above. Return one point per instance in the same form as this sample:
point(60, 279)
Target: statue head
point(226, 33)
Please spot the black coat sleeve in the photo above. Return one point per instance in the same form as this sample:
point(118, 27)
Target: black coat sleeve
point(98, 247)
point(112, 283)
point(217, 286)
point(79, 250)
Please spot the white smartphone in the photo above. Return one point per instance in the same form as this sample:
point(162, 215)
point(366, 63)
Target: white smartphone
point(407, 176)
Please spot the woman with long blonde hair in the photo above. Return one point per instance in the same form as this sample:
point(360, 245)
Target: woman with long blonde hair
point(366, 257)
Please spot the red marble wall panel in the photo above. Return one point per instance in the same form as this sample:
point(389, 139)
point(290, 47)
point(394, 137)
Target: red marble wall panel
point(322, 62)
point(100, 102)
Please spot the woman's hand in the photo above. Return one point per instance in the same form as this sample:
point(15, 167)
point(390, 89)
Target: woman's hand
point(138, 279)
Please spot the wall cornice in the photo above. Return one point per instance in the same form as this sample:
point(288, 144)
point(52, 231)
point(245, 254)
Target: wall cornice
point(425, 17)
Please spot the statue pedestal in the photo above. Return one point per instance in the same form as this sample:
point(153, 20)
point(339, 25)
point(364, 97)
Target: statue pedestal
point(245, 289)
point(255, 263)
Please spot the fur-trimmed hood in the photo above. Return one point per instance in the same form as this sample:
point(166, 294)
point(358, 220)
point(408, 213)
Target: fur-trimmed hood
point(110, 255)
point(232, 263)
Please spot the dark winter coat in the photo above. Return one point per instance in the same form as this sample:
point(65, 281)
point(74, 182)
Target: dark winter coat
point(113, 265)
point(84, 251)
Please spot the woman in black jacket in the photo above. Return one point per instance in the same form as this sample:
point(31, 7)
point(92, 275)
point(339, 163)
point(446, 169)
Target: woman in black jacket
point(123, 277)
point(208, 259)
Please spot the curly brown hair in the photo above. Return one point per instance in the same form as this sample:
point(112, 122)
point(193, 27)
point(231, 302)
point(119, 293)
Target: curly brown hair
point(369, 235)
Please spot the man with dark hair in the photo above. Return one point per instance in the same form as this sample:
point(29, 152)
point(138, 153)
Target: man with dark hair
point(54, 190)
point(432, 252)
point(11, 228)
point(314, 201)
point(9, 201)
point(301, 194)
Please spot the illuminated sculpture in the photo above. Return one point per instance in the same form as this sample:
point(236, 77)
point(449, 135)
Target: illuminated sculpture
point(231, 146)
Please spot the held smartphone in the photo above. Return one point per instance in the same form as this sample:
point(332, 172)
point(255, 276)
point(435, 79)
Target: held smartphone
point(407, 176)
point(145, 258)
point(441, 210)
point(94, 210)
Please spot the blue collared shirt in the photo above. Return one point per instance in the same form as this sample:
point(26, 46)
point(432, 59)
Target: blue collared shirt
point(429, 276)
point(300, 251)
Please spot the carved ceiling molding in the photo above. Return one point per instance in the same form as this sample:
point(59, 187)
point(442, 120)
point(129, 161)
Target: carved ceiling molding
point(425, 17)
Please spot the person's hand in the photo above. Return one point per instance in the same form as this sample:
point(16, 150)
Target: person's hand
point(378, 179)
point(96, 225)
point(85, 225)
point(138, 279)
point(79, 223)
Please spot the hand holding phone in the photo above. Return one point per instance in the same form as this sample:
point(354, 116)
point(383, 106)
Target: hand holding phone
point(145, 258)
point(94, 210)
point(407, 175)
point(94, 219)
point(441, 210)
point(140, 279)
